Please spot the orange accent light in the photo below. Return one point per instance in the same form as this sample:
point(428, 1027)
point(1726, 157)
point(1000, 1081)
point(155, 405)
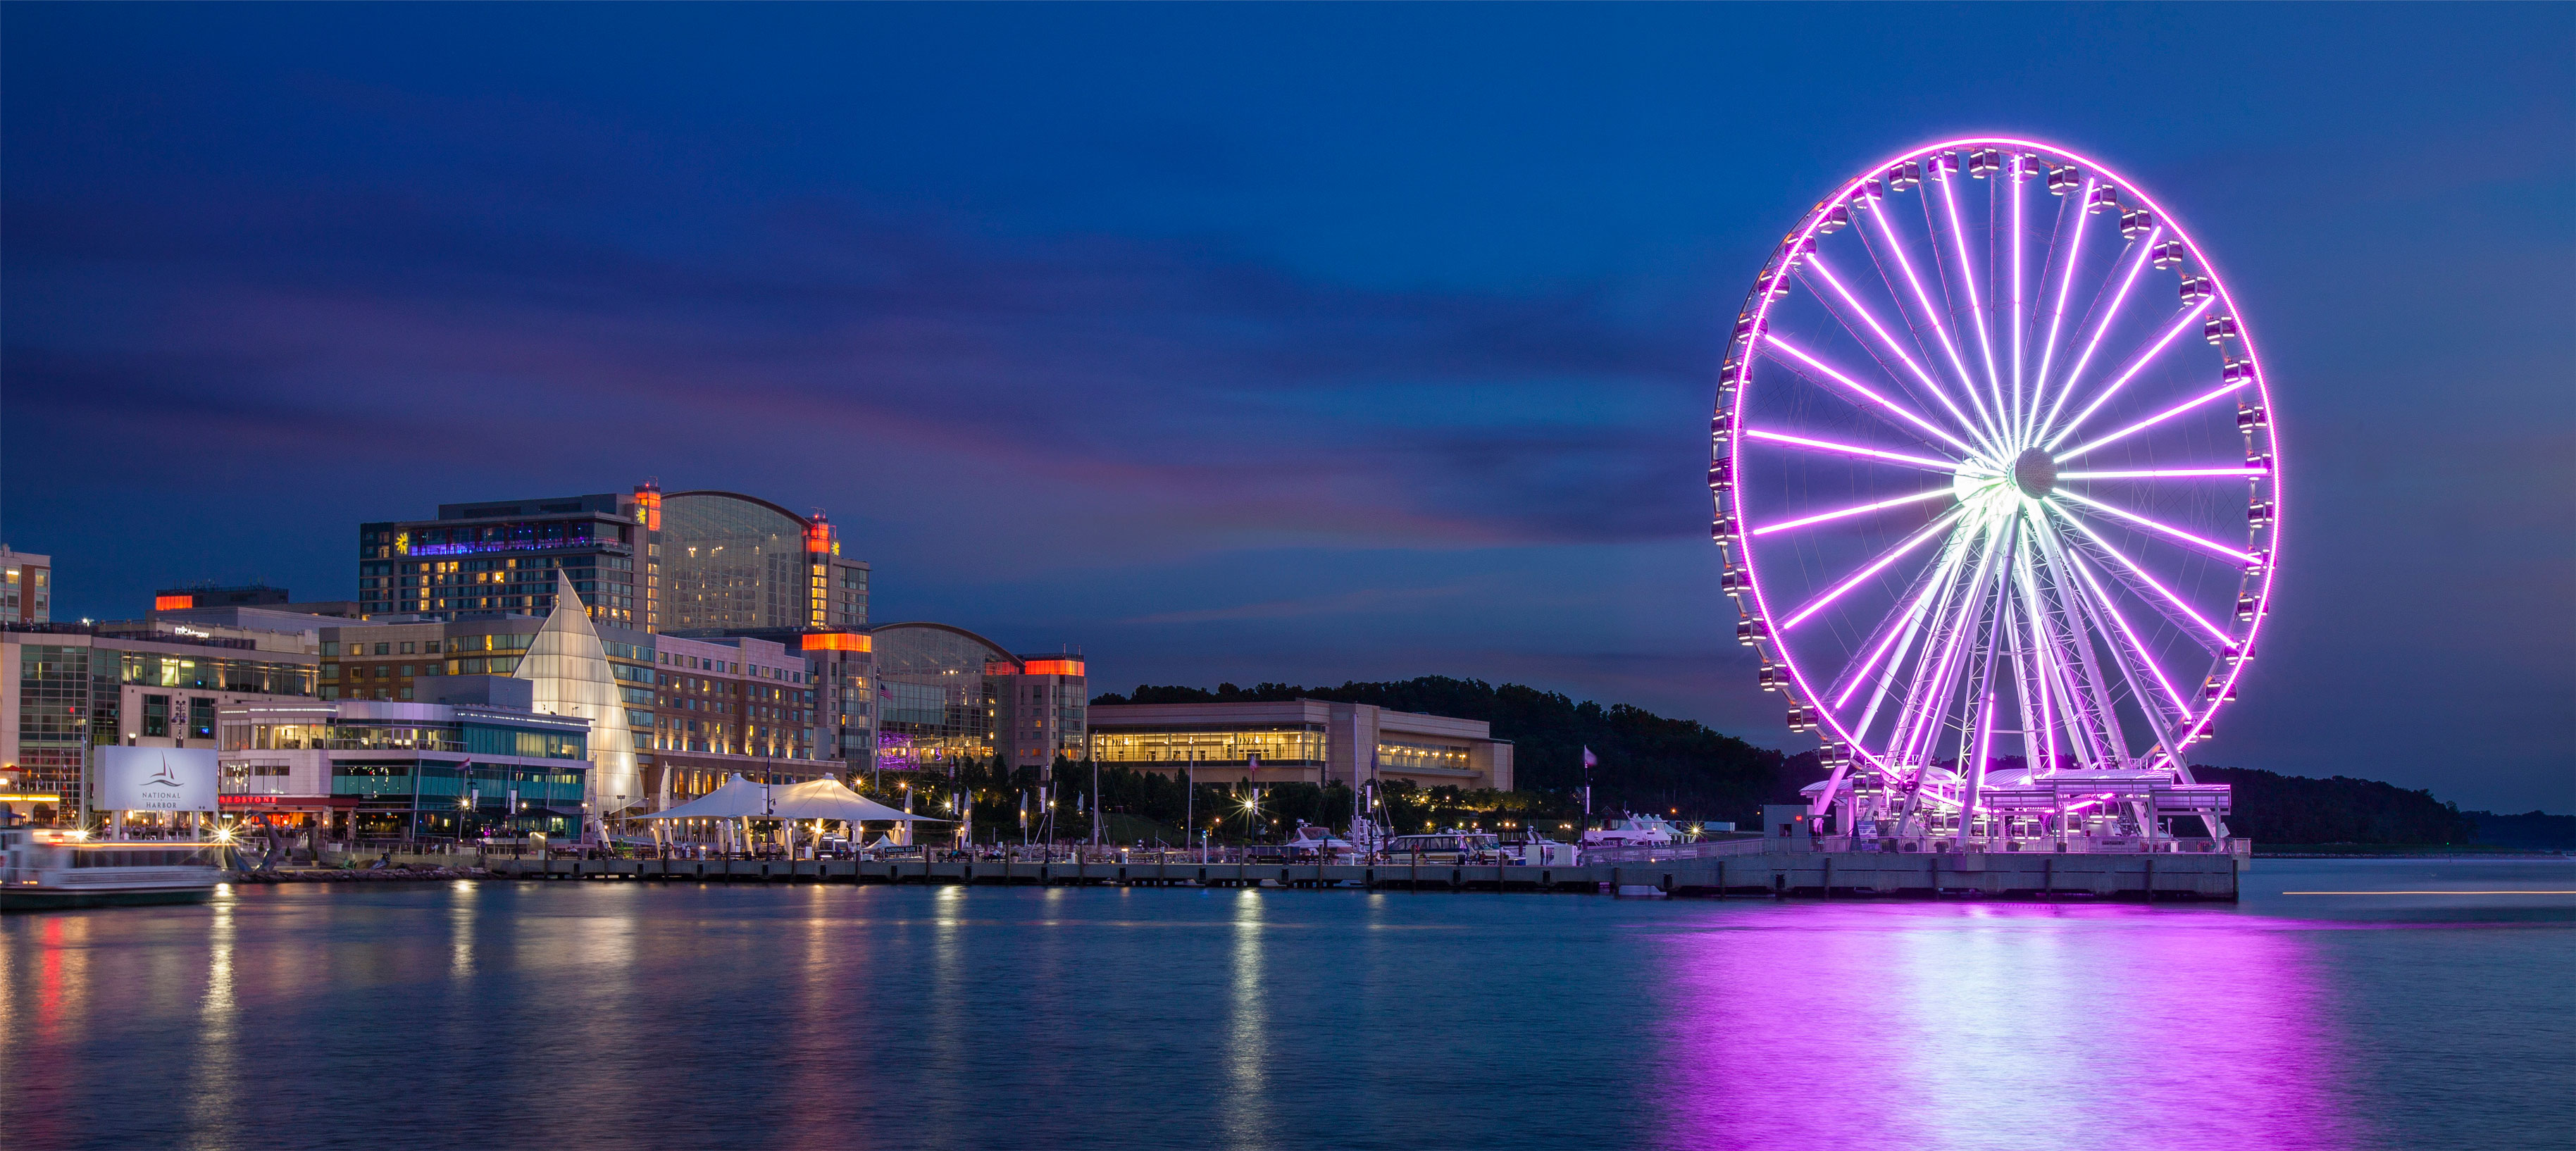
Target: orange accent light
point(173, 602)
point(1055, 667)
point(818, 538)
point(838, 641)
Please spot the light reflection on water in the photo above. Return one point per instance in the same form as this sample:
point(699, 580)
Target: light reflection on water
point(581, 1014)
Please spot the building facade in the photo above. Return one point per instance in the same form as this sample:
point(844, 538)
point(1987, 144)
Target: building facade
point(697, 561)
point(946, 694)
point(363, 769)
point(65, 688)
point(504, 555)
point(1305, 740)
point(27, 596)
point(733, 563)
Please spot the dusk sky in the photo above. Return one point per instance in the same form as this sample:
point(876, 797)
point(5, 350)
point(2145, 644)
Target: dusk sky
point(1257, 343)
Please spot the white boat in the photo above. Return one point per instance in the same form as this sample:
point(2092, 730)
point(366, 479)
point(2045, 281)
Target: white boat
point(1311, 842)
point(1634, 831)
point(44, 869)
point(1450, 846)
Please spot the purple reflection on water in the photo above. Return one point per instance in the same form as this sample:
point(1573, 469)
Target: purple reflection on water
point(2001, 1025)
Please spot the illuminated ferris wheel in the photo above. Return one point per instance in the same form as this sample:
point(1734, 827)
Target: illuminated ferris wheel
point(1997, 486)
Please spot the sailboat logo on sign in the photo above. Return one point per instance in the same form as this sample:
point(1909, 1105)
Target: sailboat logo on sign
point(162, 776)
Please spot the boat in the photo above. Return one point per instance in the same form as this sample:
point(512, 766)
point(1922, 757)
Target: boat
point(1634, 831)
point(43, 869)
point(1451, 846)
point(1311, 842)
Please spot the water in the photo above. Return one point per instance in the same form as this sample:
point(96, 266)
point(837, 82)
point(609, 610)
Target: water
point(564, 1014)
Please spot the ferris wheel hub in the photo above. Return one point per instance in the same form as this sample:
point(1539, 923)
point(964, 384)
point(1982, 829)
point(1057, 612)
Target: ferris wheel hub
point(2035, 473)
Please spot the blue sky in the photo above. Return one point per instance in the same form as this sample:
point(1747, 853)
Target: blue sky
point(1255, 343)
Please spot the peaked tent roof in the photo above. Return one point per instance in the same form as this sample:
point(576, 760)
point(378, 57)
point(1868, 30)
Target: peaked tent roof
point(737, 798)
point(827, 799)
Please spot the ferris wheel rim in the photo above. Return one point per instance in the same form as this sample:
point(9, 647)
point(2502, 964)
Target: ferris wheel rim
point(2260, 579)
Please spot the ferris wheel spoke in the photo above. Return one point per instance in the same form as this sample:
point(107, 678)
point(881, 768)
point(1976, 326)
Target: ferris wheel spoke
point(2137, 265)
point(1801, 357)
point(2219, 392)
point(1903, 625)
point(1925, 462)
point(1816, 264)
point(2011, 188)
point(1967, 276)
point(2083, 690)
point(1928, 695)
point(2166, 474)
point(2168, 529)
point(1890, 556)
point(2135, 651)
point(1859, 510)
point(2138, 570)
point(2189, 316)
point(1931, 314)
point(2065, 288)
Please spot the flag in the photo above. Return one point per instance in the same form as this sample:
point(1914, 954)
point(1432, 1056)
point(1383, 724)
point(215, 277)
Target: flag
point(1590, 760)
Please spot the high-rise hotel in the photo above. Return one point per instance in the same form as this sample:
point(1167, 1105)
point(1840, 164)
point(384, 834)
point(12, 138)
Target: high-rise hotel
point(699, 562)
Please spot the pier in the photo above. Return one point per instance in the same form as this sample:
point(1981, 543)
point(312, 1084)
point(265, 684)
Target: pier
point(2141, 876)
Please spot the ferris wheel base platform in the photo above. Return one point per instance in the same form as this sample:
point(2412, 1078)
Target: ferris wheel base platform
point(2133, 875)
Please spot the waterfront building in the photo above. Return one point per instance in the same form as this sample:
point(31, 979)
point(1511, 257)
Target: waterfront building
point(252, 606)
point(946, 694)
point(733, 563)
point(698, 561)
point(68, 687)
point(1304, 740)
point(689, 703)
point(368, 769)
point(731, 705)
point(503, 555)
point(27, 596)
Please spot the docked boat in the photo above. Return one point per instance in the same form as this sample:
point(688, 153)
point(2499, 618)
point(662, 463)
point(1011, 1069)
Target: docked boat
point(42, 869)
point(1311, 842)
point(1450, 846)
point(1634, 831)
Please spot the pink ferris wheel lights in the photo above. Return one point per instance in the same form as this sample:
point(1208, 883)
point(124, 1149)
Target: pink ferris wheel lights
point(1915, 620)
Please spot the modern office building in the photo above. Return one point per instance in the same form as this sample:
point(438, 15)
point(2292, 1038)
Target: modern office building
point(28, 594)
point(733, 563)
point(945, 693)
point(363, 769)
point(67, 687)
point(1305, 740)
point(257, 607)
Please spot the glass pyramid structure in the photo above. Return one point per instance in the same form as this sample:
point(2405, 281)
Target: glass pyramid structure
point(568, 673)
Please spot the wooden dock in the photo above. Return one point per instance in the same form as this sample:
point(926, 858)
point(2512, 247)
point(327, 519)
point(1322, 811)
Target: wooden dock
point(1807, 875)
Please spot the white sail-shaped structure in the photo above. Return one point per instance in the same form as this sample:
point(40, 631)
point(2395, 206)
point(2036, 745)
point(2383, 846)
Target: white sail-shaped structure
point(567, 671)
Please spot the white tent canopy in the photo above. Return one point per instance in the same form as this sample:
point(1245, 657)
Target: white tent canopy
point(738, 797)
point(827, 799)
point(814, 799)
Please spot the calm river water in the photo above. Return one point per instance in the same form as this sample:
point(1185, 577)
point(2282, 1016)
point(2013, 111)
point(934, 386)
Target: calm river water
point(562, 1014)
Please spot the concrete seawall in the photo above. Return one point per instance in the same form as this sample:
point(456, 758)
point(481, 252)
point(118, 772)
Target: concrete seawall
point(1828, 875)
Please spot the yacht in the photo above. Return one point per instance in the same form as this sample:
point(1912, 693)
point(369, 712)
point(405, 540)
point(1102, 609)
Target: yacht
point(1316, 842)
point(1633, 831)
point(44, 869)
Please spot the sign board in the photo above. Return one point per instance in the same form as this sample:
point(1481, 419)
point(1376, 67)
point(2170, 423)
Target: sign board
point(156, 778)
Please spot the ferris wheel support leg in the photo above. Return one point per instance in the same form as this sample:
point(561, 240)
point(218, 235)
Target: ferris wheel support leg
point(1978, 742)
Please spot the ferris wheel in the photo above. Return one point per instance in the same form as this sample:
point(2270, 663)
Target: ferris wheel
point(1996, 482)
